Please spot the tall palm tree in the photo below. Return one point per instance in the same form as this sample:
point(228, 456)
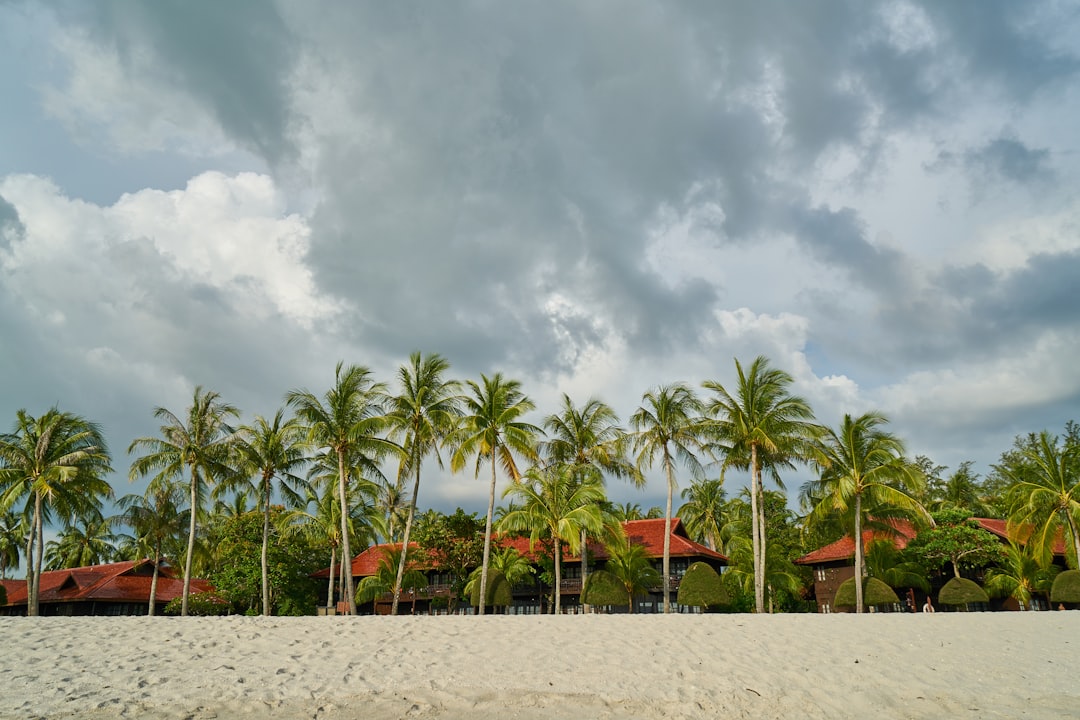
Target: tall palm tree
point(629, 564)
point(761, 426)
point(422, 414)
point(55, 461)
point(272, 450)
point(557, 502)
point(493, 431)
point(346, 421)
point(202, 447)
point(668, 427)
point(862, 468)
point(703, 511)
point(86, 539)
point(157, 520)
point(1046, 498)
point(14, 530)
point(589, 438)
point(1020, 575)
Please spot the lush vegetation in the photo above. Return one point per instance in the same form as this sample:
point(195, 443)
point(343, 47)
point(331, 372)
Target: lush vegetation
point(256, 508)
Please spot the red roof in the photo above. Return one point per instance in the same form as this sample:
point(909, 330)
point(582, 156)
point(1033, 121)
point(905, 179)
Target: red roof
point(127, 581)
point(1020, 535)
point(649, 533)
point(844, 548)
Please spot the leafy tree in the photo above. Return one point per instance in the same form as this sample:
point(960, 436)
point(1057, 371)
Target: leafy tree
point(703, 511)
point(493, 431)
point(346, 421)
point(55, 462)
point(1045, 495)
point(272, 450)
point(423, 414)
point(157, 522)
point(1019, 575)
point(454, 544)
point(668, 428)
point(861, 467)
point(85, 540)
point(955, 539)
point(201, 446)
point(558, 503)
point(761, 426)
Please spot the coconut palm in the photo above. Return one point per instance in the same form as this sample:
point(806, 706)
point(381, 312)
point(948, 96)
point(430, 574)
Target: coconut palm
point(201, 447)
point(1046, 498)
point(886, 563)
point(514, 566)
point(703, 511)
point(629, 563)
point(386, 577)
point(54, 462)
point(85, 540)
point(761, 426)
point(422, 415)
point(668, 428)
point(626, 512)
point(14, 530)
point(493, 431)
point(272, 451)
point(862, 468)
point(587, 438)
point(157, 521)
point(557, 502)
point(1019, 576)
point(347, 422)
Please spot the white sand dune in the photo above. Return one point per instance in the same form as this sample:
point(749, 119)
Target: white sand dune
point(1002, 665)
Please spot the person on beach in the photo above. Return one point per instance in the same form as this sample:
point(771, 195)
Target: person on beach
point(928, 607)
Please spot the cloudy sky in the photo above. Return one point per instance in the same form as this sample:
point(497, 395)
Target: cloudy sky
point(595, 198)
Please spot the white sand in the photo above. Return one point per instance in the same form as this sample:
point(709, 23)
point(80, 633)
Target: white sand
point(1003, 665)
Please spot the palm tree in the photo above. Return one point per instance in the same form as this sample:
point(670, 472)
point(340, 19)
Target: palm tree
point(558, 502)
point(668, 426)
point(272, 450)
point(1019, 575)
point(156, 521)
point(423, 415)
point(346, 421)
point(629, 563)
point(56, 461)
point(862, 468)
point(514, 566)
point(886, 563)
point(626, 512)
point(14, 531)
point(85, 540)
point(1046, 498)
point(703, 513)
point(386, 577)
point(492, 430)
point(202, 447)
point(589, 438)
point(761, 426)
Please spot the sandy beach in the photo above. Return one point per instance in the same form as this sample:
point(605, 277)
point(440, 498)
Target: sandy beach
point(1001, 665)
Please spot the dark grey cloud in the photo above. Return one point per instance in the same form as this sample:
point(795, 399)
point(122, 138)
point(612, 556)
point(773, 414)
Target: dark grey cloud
point(1004, 159)
point(11, 228)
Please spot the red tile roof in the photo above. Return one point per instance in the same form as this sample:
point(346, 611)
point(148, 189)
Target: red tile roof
point(649, 533)
point(127, 581)
point(1020, 535)
point(844, 548)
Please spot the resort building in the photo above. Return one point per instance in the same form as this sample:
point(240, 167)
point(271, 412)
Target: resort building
point(121, 588)
point(533, 598)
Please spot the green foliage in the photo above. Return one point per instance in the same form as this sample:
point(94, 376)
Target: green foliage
point(603, 588)
point(382, 582)
point(886, 563)
point(200, 604)
point(238, 575)
point(957, 539)
point(498, 591)
point(875, 592)
point(1019, 575)
point(701, 586)
point(451, 543)
point(961, 591)
point(1066, 587)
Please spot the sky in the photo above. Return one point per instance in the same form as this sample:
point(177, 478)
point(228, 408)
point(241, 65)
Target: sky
point(594, 198)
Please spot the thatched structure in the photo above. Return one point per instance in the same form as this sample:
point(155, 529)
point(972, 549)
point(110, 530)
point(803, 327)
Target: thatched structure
point(875, 592)
point(961, 591)
point(701, 586)
point(603, 588)
point(1066, 587)
point(498, 591)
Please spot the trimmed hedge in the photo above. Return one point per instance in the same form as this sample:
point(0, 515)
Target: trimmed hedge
point(1066, 587)
point(701, 586)
point(204, 603)
point(961, 591)
point(603, 588)
point(875, 592)
point(498, 591)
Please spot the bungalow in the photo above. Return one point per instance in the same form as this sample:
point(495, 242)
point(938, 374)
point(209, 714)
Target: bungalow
point(835, 563)
point(121, 588)
point(530, 599)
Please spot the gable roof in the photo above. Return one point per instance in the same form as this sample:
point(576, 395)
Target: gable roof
point(127, 581)
point(844, 548)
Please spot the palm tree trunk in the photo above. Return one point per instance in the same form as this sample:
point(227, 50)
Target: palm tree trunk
point(153, 586)
point(40, 553)
point(558, 577)
point(858, 555)
point(330, 585)
point(32, 547)
point(755, 531)
point(1075, 536)
point(584, 564)
point(487, 538)
point(265, 547)
point(667, 531)
point(190, 545)
point(346, 550)
point(405, 545)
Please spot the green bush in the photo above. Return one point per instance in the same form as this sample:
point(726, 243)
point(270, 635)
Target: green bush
point(875, 592)
point(701, 586)
point(202, 604)
point(1066, 587)
point(603, 588)
point(961, 591)
point(498, 591)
